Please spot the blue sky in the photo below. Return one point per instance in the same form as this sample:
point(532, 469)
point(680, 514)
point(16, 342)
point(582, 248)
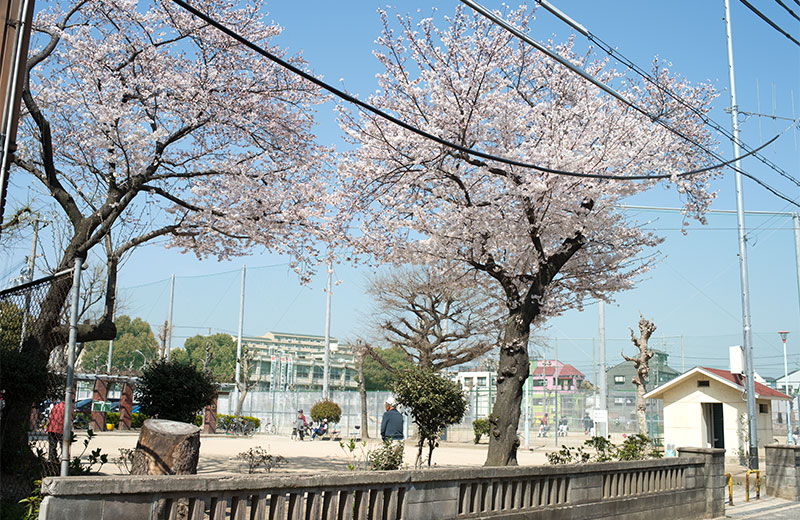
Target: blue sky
point(693, 292)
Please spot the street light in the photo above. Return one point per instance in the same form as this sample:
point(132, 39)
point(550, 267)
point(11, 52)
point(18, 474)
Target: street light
point(783, 334)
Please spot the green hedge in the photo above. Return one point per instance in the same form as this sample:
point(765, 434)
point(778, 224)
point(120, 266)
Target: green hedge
point(227, 419)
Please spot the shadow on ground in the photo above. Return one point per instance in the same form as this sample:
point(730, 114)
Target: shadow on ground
point(294, 465)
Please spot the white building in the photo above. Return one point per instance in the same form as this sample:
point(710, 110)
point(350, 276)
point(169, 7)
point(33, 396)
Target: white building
point(705, 408)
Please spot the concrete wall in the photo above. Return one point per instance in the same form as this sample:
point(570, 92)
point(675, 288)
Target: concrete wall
point(783, 471)
point(690, 486)
point(684, 423)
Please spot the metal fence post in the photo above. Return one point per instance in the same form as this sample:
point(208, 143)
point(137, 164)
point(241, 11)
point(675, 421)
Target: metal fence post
point(69, 395)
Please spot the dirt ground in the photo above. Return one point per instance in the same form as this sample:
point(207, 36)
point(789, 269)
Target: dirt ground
point(218, 452)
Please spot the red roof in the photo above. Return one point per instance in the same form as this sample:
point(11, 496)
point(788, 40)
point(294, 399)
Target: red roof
point(565, 371)
point(739, 380)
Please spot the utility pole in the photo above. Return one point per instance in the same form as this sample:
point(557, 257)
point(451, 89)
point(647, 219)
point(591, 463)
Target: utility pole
point(69, 395)
point(168, 332)
point(29, 278)
point(239, 344)
point(683, 365)
point(783, 334)
point(326, 368)
point(556, 419)
point(603, 383)
point(747, 330)
point(796, 220)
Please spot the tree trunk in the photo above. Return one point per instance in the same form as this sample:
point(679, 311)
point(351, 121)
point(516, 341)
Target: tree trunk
point(167, 448)
point(641, 409)
point(420, 446)
point(240, 401)
point(362, 391)
point(511, 375)
point(641, 364)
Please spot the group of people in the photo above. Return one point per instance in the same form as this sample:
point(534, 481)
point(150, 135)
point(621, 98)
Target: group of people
point(303, 427)
point(391, 424)
point(563, 426)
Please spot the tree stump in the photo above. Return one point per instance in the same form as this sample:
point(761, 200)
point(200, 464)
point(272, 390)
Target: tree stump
point(167, 448)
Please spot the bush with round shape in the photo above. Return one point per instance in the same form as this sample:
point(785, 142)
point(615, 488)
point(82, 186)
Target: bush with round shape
point(174, 391)
point(326, 409)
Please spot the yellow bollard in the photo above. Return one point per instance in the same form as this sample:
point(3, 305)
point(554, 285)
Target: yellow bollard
point(730, 488)
point(747, 484)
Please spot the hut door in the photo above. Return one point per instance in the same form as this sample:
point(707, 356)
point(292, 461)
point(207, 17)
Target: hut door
point(717, 428)
point(712, 422)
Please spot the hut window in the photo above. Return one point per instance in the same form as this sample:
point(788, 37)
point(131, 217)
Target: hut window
point(702, 383)
point(762, 408)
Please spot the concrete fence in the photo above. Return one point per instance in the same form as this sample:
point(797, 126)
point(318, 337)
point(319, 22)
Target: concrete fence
point(783, 471)
point(690, 486)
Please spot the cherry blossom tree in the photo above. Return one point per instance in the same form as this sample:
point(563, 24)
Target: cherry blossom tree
point(142, 123)
point(549, 242)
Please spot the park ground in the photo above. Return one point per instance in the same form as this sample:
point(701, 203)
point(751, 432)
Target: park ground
point(218, 456)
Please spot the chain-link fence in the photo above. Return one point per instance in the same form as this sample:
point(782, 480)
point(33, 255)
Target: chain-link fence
point(30, 383)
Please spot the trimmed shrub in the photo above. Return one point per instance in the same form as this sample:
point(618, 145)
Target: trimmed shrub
point(326, 409)
point(138, 419)
point(174, 391)
point(480, 427)
point(113, 418)
point(226, 420)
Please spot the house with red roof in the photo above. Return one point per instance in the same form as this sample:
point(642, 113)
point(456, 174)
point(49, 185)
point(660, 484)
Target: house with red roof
point(706, 408)
point(552, 381)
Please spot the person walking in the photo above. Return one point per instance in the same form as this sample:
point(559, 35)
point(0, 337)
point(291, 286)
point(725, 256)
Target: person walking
point(392, 422)
point(587, 424)
point(301, 424)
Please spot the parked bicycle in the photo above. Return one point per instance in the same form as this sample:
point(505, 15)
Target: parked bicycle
point(236, 426)
point(270, 429)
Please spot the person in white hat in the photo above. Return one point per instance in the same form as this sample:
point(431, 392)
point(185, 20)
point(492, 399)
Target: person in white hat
point(392, 422)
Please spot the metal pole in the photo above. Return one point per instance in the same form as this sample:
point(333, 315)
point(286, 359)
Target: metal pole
point(747, 330)
point(31, 269)
point(603, 383)
point(168, 332)
point(11, 108)
point(526, 389)
point(683, 364)
point(796, 220)
point(69, 397)
point(327, 363)
point(556, 419)
point(783, 335)
point(239, 344)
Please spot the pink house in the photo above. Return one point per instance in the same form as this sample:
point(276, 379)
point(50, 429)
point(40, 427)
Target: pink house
point(544, 372)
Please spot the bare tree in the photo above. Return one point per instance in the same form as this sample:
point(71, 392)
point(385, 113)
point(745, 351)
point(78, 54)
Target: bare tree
point(642, 365)
point(439, 317)
point(246, 381)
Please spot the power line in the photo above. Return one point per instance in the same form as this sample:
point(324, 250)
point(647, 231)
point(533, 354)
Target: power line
point(533, 43)
point(770, 22)
point(788, 9)
point(512, 162)
point(608, 49)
